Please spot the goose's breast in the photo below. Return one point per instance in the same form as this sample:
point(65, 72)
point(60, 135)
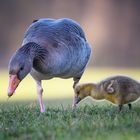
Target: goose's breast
point(40, 76)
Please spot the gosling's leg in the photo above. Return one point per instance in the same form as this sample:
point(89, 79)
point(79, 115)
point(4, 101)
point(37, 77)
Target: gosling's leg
point(76, 80)
point(40, 93)
point(130, 106)
point(120, 108)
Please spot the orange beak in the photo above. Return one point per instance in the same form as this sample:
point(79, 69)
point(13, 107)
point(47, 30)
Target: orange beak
point(13, 84)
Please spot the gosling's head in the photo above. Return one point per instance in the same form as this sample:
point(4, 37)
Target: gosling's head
point(82, 91)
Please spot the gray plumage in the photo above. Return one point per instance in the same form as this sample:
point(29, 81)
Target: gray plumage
point(64, 51)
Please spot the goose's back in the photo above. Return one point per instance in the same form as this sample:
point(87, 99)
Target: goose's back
point(67, 48)
point(43, 31)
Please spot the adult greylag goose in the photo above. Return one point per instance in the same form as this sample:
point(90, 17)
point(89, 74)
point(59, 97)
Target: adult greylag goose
point(51, 48)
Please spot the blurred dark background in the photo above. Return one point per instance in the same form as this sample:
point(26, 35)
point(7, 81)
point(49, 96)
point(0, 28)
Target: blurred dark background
point(111, 26)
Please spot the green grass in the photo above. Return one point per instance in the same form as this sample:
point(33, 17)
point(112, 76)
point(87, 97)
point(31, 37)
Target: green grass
point(20, 118)
point(21, 121)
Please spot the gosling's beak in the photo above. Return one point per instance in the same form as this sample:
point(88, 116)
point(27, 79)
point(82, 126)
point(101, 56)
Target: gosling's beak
point(77, 100)
point(13, 84)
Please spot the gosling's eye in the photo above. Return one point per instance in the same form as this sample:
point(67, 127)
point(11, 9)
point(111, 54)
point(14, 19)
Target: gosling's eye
point(78, 92)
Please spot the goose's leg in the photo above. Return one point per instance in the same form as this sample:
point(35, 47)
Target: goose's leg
point(130, 106)
point(40, 94)
point(76, 80)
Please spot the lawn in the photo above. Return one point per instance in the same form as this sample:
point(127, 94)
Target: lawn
point(20, 118)
point(21, 121)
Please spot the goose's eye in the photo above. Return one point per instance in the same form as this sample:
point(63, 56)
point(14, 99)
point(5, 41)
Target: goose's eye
point(21, 68)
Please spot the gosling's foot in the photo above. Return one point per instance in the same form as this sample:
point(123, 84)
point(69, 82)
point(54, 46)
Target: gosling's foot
point(120, 108)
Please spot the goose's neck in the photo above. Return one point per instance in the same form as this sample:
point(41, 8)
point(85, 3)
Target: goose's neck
point(33, 50)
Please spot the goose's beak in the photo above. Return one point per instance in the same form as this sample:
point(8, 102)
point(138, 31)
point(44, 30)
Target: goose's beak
point(13, 84)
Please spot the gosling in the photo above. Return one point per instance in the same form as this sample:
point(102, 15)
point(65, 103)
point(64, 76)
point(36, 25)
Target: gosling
point(119, 90)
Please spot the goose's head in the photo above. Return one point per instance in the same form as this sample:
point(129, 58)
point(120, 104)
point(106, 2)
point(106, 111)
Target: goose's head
point(19, 66)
